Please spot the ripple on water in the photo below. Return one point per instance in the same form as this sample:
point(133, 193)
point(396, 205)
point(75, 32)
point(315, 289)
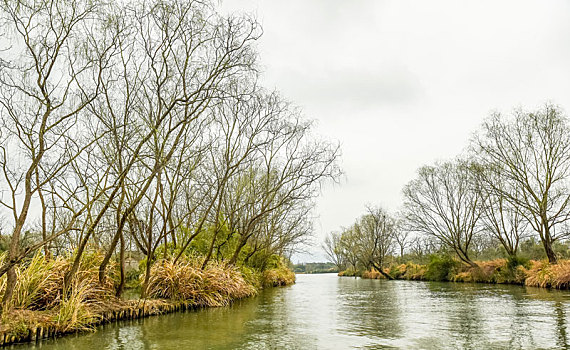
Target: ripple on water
point(328, 312)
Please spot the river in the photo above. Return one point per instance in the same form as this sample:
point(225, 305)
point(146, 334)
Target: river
point(330, 312)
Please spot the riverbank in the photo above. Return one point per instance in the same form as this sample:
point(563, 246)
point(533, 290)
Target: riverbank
point(499, 271)
point(40, 308)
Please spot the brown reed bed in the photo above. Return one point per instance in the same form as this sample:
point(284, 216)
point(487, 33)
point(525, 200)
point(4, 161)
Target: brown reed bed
point(216, 285)
point(545, 275)
point(40, 308)
point(534, 273)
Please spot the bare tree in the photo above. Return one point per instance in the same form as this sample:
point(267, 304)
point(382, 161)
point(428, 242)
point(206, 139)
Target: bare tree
point(401, 234)
point(500, 218)
point(333, 249)
point(50, 75)
point(349, 246)
point(292, 170)
point(143, 123)
point(443, 202)
point(531, 152)
point(376, 231)
point(172, 65)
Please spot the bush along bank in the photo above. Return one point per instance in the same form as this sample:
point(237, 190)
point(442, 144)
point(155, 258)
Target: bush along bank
point(40, 307)
point(502, 271)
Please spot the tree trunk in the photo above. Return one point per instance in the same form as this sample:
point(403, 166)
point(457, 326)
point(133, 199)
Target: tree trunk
point(240, 246)
point(253, 251)
point(10, 285)
point(144, 291)
point(43, 206)
point(13, 253)
point(463, 256)
point(379, 269)
point(116, 237)
point(77, 260)
point(211, 249)
point(121, 285)
point(549, 251)
point(546, 239)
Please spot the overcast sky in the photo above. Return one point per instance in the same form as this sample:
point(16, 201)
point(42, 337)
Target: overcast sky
point(401, 84)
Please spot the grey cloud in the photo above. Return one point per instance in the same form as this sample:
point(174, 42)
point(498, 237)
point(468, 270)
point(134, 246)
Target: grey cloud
point(365, 89)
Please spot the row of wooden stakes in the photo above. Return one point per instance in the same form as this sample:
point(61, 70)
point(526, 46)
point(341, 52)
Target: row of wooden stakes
point(130, 311)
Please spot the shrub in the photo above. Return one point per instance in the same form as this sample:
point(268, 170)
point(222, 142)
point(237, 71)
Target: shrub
point(440, 267)
point(252, 276)
point(398, 271)
point(132, 279)
point(486, 271)
point(514, 261)
point(415, 271)
point(279, 276)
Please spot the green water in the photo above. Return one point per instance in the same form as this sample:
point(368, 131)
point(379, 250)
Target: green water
point(329, 312)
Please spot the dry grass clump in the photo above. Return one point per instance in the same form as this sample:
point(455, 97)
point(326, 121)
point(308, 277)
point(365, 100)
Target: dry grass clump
point(75, 310)
point(414, 271)
point(217, 285)
point(40, 301)
point(485, 271)
point(32, 284)
point(408, 271)
point(542, 274)
point(350, 272)
point(445, 269)
point(279, 276)
point(372, 274)
point(19, 322)
point(40, 282)
point(561, 275)
point(39, 298)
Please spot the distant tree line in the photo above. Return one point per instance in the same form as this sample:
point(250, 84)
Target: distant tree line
point(141, 125)
point(315, 268)
point(507, 192)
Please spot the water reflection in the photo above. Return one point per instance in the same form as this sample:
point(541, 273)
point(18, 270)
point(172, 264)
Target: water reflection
point(328, 312)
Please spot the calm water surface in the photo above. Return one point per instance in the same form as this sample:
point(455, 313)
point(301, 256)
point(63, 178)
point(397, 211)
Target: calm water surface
point(329, 312)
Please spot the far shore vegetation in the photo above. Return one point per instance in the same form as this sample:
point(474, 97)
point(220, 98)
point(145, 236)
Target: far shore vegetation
point(499, 213)
point(326, 267)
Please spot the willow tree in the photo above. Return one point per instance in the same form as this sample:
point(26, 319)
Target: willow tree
point(349, 246)
point(500, 218)
point(376, 238)
point(443, 202)
point(292, 166)
point(240, 127)
point(531, 152)
point(174, 62)
point(49, 75)
point(333, 251)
